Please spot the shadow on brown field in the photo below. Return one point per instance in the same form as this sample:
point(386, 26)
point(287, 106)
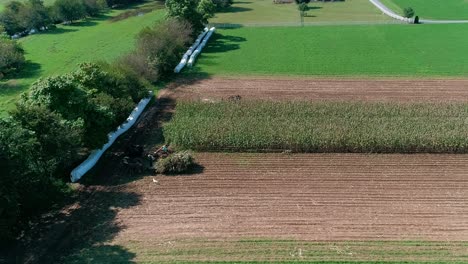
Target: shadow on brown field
point(81, 232)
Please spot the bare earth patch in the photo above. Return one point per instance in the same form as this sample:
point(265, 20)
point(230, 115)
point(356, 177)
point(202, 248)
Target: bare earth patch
point(382, 90)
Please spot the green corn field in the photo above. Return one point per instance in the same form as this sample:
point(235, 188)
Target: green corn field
point(320, 127)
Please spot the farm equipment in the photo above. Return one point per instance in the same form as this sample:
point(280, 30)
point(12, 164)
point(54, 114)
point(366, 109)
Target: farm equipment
point(134, 160)
point(234, 98)
point(134, 165)
point(161, 153)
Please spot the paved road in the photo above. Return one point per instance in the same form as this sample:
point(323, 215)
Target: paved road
point(394, 15)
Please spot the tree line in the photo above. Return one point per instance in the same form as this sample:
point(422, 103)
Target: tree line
point(62, 118)
point(19, 18)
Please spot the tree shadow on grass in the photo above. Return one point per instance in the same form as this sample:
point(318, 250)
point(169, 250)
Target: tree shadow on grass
point(83, 23)
point(103, 254)
point(234, 9)
point(57, 31)
point(9, 88)
point(90, 21)
point(218, 45)
point(223, 43)
point(12, 86)
point(30, 70)
point(243, 2)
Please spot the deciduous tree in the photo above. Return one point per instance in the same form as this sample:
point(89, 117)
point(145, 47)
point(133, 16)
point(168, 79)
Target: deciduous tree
point(70, 10)
point(11, 56)
point(408, 12)
point(197, 12)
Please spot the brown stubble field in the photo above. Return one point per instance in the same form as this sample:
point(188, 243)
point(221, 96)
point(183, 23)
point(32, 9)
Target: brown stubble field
point(310, 207)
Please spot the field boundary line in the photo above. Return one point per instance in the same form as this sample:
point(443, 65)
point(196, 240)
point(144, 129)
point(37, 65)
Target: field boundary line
point(308, 24)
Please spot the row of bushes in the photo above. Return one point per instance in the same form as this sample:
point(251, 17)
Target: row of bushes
point(20, 17)
point(62, 116)
point(320, 127)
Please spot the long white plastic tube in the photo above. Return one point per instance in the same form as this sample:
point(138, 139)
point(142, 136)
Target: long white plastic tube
point(89, 163)
point(189, 52)
point(199, 49)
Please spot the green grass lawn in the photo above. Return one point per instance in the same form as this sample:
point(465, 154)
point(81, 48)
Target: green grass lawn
point(368, 50)
point(435, 9)
point(264, 12)
point(60, 50)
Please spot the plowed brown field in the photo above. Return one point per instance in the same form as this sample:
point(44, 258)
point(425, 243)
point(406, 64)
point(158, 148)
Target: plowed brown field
point(270, 207)
point(306, 197)
point(410, 90)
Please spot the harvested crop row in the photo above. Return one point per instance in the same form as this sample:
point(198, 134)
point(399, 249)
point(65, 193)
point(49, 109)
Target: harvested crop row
point(320, 127)
point(321, 89)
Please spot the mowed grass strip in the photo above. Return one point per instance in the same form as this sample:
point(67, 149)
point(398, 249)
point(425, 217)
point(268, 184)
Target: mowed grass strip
point(320, 127)
point(435, 9)
point(366, 50)
point(274, 250)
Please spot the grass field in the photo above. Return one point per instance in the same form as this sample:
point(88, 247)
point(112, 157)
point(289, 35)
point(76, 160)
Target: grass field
point(378, 50)
point(264, 12)
point(60, 50)
point(279, 251)
point(320, 127)
point(435, 9)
